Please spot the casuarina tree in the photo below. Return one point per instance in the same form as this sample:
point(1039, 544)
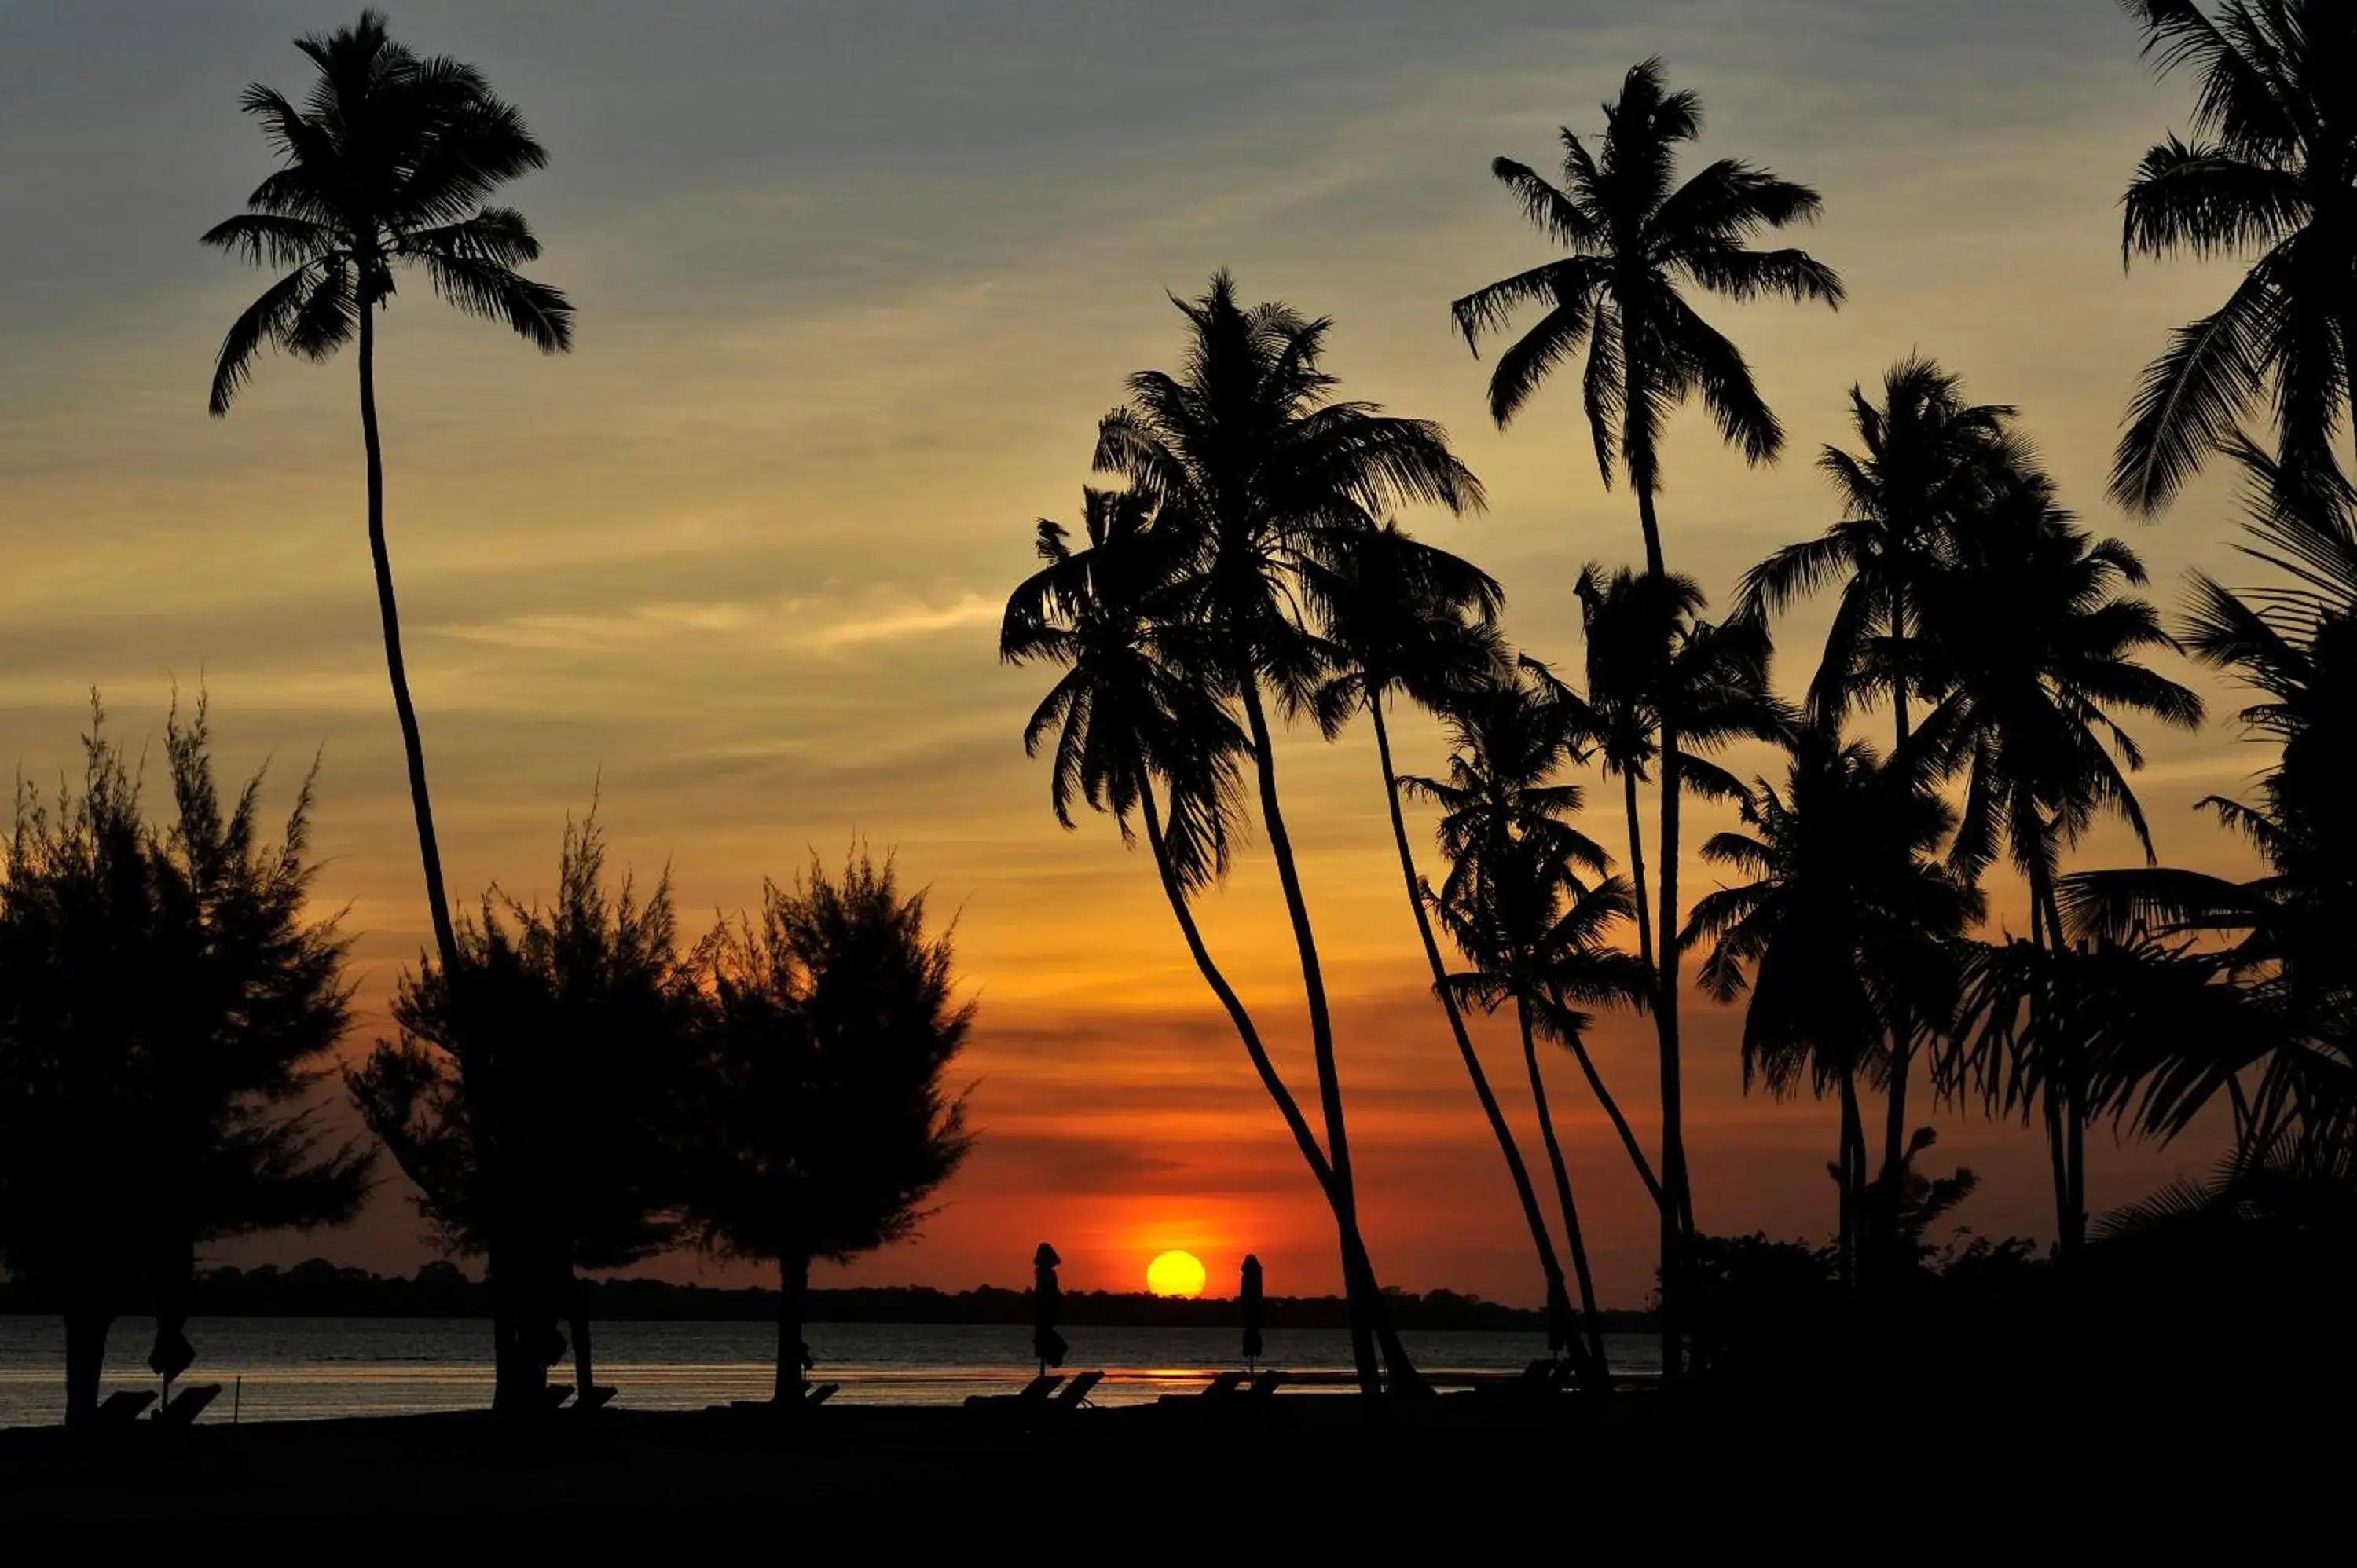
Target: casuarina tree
point(823, 1125)
point(533, 1099)
point(168, 1003)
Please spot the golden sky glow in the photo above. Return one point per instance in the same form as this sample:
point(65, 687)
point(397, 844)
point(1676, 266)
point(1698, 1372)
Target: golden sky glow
point(855, 280)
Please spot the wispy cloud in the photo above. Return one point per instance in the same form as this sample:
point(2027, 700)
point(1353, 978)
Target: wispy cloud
point(812, 625)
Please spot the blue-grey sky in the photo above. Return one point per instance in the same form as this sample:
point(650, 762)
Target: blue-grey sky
point(854, 282)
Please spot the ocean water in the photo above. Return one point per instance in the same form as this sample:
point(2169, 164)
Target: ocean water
point(309, 1369)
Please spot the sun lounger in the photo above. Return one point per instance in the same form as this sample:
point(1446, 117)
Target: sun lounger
point(1221, 1387)
point(599, 1396)
point(1034, 1395)
point(1074, 1394)
point(819, 1393)
point(122, 1406)
point(188, 1404)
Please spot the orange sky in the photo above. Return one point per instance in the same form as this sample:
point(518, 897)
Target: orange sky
point(855, 282)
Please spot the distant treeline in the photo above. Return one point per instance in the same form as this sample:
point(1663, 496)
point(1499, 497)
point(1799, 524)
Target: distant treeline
point(321, 1289)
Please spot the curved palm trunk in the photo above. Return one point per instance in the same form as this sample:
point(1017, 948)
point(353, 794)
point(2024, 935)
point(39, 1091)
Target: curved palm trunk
point(1902, 1043)
point(1367, 1297)
point(437, 903)
point(1358, 1272)
point(1851, 1177)
point(2065, 1091)
point(1604, 1098)
point(1678, 1210)
point(514, 1381)
point(1549, 1266)
point(1599, 1371)
point(1637, 871)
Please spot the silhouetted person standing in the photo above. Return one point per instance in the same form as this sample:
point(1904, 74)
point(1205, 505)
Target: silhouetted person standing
point(1046, 1343)
point(1249, 1297)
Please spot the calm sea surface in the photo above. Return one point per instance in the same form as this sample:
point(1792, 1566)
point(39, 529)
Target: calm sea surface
point(307, 1369)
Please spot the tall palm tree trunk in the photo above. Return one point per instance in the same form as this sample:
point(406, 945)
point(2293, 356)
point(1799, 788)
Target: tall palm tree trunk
point(1677, 1208)
point(1850, 1178)
point(1637, 871)
point(1357, 1270)
point(1902, 1042)
point(510, 1376)
point(1598, 1371)
point(1549, 1266)
point(1366, 1297)
point(429, 850)
point(2058, 1094)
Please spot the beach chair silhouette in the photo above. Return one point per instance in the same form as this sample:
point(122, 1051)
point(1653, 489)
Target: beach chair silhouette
point(1033, 1397)
point(1074, 1394)
point(819, 1393)
point(599, 1396)
point(188, 1404)
point(1217, 1390)
point(122, 1407)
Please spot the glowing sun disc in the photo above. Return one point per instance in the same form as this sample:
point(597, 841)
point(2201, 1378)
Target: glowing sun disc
point(1176, 1274)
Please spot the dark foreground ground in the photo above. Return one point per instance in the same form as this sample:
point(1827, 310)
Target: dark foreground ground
point(1618, 1471)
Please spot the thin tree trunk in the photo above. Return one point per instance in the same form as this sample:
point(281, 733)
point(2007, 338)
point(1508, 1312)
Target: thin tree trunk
point(1678, 1210)
point(1549, 1266)
point(793, 1292)
point(429, 850)
point(1902, 1045)
point(1637, 871)
point(1851, 1179)
point(1599, 1371)
point(1357, 1273)
point(86, 1327)
point(2046, 933)
point(1321, 1034)
point(1604, 1097)
point(584, 1358)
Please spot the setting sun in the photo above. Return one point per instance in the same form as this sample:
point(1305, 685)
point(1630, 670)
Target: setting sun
point(1176, 1274)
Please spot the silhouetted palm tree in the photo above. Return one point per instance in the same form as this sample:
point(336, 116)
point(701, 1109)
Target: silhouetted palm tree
point(1139, 706)
point(1247, 449)
point(1538, 936)
point(1400, 617)
point(386, 163)
point(1849, 929)
point(2272, 168)
point(1514, 905)
point(2028, 706)
point(823, 1126)
point(2283, 938)
point(534, 1100)
point(1927, 462)
point(1637, 237)
point(167, 1004)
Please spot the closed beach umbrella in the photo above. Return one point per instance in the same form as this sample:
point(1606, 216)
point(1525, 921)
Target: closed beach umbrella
point(1249, 1297)
point(1046, 1343)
